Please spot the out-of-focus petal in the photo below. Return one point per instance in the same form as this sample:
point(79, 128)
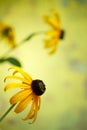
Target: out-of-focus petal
point(55, 13)
point(52, 21)
point(51, 42)
point(53, 49)
point(53, 33)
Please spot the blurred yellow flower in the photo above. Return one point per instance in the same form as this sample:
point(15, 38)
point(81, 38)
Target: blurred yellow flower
point(56, 33)
point(31, 90)
point(7, 33)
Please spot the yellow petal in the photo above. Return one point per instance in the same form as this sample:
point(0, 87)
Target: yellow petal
point(53, 33)
point(51, 42)
point(26, 76)
point(47, 44)
point(55, 13)
point(16, 85)
point(20, 96)
point(23, 104)
point(30, 112)
point(36, 109)
point(53, 49)
point(39, 102)
point(16, 77)
point(52, 21)
point(11, 41)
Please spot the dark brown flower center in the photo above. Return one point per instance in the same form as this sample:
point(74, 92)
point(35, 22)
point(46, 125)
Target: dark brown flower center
point(6, 31)
point(62, 34)
point(38, 87)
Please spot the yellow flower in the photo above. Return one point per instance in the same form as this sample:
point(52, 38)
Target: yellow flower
point(7, 33)
point(31, 90)
point(56, 33)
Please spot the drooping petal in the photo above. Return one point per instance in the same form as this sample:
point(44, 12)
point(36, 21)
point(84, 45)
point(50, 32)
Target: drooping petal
point(26, 76)
point(39, 102)
point(52, 21)
point(51, 42)
point(20, 96)
point(30, 112)
point(16, 77)
point(47, 43)
point(36, 109)
point(23, 104)
point(54, 48)
point(16, 85)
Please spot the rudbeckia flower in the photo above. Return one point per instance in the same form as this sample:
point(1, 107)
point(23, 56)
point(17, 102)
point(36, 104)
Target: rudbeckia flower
point(56, 33)
point(30, 93)
point(7, 33)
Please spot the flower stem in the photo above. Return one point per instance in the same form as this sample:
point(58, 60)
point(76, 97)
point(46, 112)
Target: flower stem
point(6, 112)
point(22, 42)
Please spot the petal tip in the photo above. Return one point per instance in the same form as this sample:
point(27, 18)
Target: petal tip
point(5, 89)
point(5, 79)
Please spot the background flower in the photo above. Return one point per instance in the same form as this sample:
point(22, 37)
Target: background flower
point(56, 33)
point(7, 33)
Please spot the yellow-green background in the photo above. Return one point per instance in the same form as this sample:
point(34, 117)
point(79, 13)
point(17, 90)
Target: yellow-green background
point(64, 104)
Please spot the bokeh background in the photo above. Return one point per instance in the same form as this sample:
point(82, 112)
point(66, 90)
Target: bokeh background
point(64, 104)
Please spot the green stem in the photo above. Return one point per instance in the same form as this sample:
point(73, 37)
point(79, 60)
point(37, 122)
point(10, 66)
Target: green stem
point(6, 112)
point(22, 42)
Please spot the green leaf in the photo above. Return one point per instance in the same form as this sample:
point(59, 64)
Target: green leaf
point(13, 61)
point(29, 37)
point(2, 60)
